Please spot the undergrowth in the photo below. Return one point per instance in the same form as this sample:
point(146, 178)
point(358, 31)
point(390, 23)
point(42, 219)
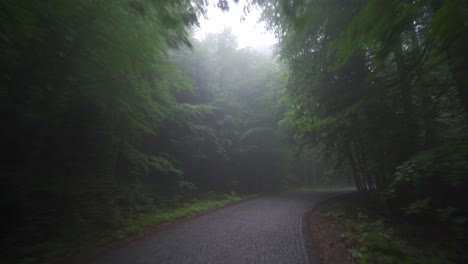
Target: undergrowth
point(375, 239)
point(141, 222)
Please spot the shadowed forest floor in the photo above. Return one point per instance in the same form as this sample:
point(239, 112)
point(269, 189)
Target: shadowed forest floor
point(326, 234)
point(350, 229)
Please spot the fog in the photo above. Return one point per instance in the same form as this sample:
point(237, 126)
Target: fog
point(247, 27)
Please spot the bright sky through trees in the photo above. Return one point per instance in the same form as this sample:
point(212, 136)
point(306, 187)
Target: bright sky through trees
point(249, 31)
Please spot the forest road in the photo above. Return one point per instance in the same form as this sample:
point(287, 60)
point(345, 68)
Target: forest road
point(269, 229)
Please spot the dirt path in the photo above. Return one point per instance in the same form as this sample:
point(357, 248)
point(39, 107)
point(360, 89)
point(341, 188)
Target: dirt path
point(270, 229)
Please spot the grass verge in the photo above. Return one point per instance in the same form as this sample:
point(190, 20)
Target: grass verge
point(160, 216)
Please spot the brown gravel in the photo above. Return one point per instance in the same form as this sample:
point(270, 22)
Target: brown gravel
point(326, 237)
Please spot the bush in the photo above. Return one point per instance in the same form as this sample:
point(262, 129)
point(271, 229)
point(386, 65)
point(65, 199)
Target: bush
point(430, 188)
point(374, 241)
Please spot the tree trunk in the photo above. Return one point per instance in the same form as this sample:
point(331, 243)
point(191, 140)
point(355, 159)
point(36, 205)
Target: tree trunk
point(356, 176)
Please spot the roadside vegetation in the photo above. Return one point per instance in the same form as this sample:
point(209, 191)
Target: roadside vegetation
point(116, 113)
point(379, 90)
point(372, 235)
point(134, 225)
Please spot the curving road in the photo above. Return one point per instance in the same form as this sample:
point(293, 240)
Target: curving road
point(269, 229)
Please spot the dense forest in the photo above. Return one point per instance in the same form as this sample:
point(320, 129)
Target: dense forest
point(114, 109)
point(381, 87)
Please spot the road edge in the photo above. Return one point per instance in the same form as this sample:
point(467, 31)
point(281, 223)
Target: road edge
point(87, 255)
point(312, 254)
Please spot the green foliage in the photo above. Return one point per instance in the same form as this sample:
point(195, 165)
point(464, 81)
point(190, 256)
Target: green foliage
point(142, 165)
point(230, 117)
point(141, 222)
point(437, 180)
point(418, 206)
point(369, 81)
point(115, 112)
point(373, 239)
point(448, 163)
point(373, 88)
point(87, 84)
point(187, 186)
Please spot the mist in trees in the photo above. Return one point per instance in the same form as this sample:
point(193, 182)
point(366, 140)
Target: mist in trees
point(380, 87)
point(113, 109)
